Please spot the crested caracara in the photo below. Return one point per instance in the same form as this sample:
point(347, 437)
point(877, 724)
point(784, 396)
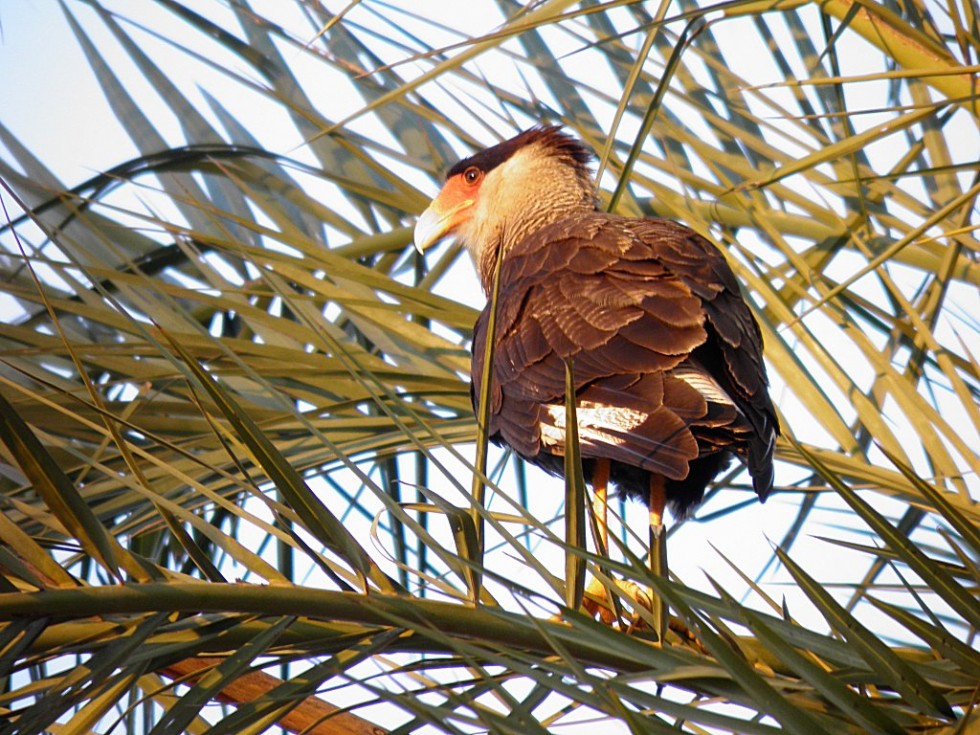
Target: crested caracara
point(666, 355)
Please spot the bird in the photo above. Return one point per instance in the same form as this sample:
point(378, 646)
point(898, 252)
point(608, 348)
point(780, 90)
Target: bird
point(667, 357)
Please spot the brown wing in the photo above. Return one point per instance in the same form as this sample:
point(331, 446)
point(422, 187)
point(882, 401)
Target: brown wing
point(667, 356)
point(732, 354)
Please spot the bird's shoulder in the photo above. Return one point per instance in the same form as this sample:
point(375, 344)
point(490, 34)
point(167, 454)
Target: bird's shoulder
point(612, 269)
point(628, 248)
point(592, 288)
point(621, 295)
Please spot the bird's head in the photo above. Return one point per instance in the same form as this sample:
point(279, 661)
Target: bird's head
point(495, 198)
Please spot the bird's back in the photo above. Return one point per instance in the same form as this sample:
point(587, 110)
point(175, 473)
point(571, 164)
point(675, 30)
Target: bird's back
point(666, 354)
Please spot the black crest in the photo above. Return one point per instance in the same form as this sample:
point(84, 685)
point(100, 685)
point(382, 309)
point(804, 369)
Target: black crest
point(557, 141)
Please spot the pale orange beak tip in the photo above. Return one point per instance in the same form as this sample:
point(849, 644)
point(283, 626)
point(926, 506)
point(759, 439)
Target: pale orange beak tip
point(429, 227)
point(435, 223)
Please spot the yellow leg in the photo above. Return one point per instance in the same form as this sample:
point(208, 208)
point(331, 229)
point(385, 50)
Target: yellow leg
point(600, 505)
point(658, 551)
point(602, 602)
point(600, 509)
point(658, 501)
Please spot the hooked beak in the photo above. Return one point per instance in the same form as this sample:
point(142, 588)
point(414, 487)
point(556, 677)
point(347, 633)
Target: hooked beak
point(439, 220)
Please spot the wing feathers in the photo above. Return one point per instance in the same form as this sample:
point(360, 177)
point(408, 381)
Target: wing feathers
point(667, 356)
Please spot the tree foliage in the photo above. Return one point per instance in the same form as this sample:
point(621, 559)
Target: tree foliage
point(237, 443)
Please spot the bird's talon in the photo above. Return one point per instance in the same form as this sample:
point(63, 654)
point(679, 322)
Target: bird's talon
point(598, 604)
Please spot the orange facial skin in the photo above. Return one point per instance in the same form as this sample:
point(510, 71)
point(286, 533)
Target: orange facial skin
point(450, 209)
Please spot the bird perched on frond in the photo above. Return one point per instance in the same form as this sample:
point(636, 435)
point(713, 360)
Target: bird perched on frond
point(667, 357)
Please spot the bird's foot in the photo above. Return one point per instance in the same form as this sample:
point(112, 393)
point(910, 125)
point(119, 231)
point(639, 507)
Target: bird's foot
point(598, 604)
point(636, 597)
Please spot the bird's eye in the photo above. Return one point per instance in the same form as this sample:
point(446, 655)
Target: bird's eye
point(472, 175)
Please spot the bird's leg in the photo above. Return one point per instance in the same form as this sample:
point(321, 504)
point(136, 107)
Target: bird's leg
point(600, 511)
point(600, 504)
point(658, 501)
point(658, 551)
